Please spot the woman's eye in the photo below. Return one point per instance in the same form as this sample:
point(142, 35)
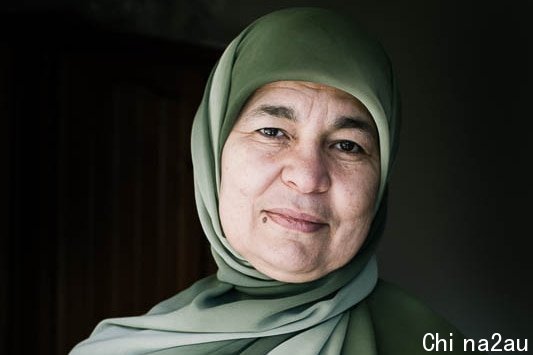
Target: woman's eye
point(349, 147)
point(271, 132)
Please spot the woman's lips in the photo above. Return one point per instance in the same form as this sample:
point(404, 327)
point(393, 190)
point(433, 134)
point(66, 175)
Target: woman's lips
point(297, 221)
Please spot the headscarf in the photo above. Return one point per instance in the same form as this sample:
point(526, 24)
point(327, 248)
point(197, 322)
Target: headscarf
point(240, 310)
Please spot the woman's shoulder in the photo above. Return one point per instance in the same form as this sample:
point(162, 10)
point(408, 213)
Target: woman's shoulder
point(405, 325)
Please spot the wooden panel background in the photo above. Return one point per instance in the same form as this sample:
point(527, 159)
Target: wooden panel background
point(102, 221)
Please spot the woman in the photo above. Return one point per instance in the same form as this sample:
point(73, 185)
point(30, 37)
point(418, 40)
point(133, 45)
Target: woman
point(292, 148)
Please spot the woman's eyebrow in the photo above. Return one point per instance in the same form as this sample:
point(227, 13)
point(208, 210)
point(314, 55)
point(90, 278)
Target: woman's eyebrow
point(356, 122)
point(276, 111)
point(341, 122)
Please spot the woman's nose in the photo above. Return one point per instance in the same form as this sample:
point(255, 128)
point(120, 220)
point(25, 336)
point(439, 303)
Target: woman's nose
point(306, 171)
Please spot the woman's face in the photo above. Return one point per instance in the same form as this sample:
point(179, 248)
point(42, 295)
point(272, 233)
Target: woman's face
point(299, 178)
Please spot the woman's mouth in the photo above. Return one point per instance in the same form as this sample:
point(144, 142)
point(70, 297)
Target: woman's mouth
point(296, 221)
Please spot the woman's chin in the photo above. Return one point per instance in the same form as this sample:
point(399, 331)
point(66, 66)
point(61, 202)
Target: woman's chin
point(294, 270)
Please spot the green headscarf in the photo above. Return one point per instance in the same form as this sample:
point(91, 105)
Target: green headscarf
point(240, 310)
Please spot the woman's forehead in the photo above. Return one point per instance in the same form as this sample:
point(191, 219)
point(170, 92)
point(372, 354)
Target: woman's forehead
point(306, 85)
point(289, 89)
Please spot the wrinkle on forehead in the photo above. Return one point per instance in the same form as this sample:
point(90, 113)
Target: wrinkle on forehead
point(298, 85)
point(309, 88)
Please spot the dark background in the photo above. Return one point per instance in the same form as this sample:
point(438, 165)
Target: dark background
point(97, 100)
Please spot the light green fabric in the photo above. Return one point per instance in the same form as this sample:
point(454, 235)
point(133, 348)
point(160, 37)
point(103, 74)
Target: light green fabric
point(240, 310)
